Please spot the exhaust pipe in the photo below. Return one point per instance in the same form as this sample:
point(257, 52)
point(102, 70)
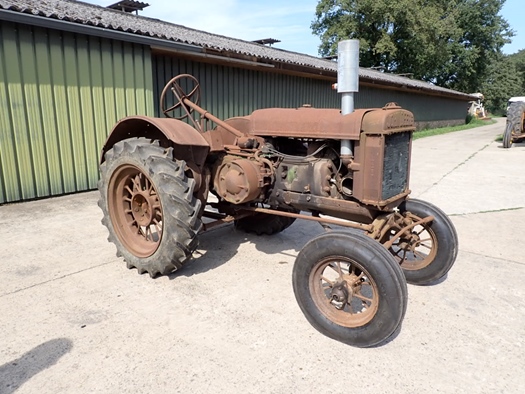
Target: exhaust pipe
point(347, 82)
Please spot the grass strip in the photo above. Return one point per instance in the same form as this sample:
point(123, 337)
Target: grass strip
point(445, 130)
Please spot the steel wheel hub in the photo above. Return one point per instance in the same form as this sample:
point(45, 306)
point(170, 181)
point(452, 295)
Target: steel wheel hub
point(344, 292)
point(135, 210)
point(141, 209)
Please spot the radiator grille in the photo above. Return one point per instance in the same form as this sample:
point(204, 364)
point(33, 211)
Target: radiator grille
point(395, 167)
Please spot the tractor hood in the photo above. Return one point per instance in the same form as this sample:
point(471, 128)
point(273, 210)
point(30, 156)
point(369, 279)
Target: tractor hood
point(309, 122)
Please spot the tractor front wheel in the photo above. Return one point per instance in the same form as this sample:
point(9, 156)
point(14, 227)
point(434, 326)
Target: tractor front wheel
point(350, 288)
point(428, 251)
point(507, 135)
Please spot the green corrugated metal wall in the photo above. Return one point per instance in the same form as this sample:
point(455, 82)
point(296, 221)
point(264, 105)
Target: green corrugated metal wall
point(231, 91)
point(425, 108)
point(60, 95)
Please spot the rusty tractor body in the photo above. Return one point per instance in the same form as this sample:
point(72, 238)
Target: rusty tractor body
point(266, 170)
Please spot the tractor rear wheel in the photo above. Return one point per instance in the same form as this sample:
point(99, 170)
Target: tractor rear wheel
point(148, 205)
point(350, 288)
point(515, 122)
point(263, 223)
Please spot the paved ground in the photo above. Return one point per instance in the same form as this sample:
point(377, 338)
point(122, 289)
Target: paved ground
point(75, 320)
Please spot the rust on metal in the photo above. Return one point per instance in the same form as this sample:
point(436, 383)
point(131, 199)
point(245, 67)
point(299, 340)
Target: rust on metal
point(178, 133)
point(339, 222)
point(346, 281)
point(306, 123)
point(407, 228)
point(135, 210)
point(264, 170)
point(392, 118)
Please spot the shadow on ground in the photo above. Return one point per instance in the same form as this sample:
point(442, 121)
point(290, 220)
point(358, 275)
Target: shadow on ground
point(15, 373)
point(218, 246)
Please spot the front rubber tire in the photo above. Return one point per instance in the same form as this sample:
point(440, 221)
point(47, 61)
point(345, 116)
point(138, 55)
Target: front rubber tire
point(162, 236)
point(365, 265)
point(443, 249)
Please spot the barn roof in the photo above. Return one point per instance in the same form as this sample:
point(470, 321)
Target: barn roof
point(80, 13)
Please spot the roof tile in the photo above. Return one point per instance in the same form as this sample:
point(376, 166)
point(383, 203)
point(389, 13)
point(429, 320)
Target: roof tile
point(94, 15)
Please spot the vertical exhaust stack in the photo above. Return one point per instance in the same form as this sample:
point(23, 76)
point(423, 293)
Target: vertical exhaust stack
point(347, 82)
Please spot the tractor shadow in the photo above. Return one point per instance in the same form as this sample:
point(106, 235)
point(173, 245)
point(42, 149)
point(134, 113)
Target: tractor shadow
point(220, 245)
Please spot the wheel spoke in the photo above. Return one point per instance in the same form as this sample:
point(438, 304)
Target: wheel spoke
point(150, 231)
point(333, 268)
point(363, 298)
point(330, 283)
point(420, 255)
point(396, 253)
point(136, 183)
point(339, 269)
point(158, 227)
point(404, 255)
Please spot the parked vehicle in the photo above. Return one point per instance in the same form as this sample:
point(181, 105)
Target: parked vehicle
point(476, 108)
point(514, 130)
point(265, 171)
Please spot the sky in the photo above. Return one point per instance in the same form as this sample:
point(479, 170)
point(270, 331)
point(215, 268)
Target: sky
point(285, 20)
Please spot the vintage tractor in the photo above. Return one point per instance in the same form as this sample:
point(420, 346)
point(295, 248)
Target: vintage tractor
point(161, 177)
point(515, 128)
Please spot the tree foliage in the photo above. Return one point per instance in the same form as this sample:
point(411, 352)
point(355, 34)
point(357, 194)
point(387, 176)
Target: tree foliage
point(506, 78)
point(518, 59)
point(502, 83)
point(451, 43)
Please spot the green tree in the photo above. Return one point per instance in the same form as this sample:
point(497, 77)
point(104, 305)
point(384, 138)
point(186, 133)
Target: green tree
point(503, 82)
point(518, 59)
point(447, 42)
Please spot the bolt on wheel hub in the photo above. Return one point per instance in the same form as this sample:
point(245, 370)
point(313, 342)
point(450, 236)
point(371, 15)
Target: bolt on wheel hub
point(141, 210)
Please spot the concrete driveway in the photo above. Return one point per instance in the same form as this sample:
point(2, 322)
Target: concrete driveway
point(75, 320)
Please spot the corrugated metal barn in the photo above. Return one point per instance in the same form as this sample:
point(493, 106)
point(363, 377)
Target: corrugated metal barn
point(70, 70)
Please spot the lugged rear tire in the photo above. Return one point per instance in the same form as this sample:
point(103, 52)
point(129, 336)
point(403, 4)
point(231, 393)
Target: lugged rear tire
point(149, 208)
point(515, 120)
point(263, 223)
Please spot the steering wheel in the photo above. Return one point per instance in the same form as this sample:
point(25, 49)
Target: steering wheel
point(180, 94)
